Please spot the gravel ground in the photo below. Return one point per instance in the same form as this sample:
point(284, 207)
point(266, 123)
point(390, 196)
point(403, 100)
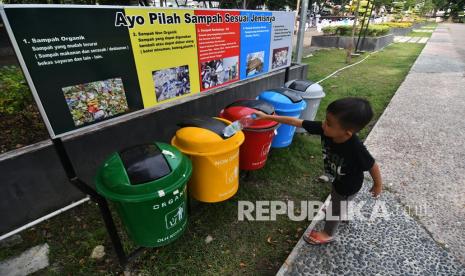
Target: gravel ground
point(396, 245)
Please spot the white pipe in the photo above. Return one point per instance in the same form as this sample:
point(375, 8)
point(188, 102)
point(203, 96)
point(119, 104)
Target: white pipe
point(39, 220)
point(348, 66)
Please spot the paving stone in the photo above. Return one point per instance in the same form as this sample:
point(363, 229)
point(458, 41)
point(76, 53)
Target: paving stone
point(413, 40)
point(423, 40)
point(30, 261)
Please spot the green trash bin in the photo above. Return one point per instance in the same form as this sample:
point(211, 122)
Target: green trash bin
point(147, 184)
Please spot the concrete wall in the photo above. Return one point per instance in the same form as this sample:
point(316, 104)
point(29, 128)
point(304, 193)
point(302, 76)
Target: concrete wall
point(34, 184)
point(367, 44)
point(405, 31)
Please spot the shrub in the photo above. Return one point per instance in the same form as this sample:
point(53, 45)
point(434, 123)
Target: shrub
point(375, 30)
point(345, 30)
point(418, 19)
point(329, 30)
point(397, 24)
point(14, 92)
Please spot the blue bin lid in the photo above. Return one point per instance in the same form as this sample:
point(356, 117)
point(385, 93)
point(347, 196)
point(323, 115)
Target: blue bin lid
point(283, 99)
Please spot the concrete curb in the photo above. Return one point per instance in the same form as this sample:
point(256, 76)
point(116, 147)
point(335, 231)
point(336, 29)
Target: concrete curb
point(367, 44)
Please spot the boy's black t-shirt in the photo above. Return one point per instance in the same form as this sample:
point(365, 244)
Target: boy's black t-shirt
point(345, 162)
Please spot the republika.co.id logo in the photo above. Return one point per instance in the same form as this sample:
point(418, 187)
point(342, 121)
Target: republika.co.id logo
point(310, 210)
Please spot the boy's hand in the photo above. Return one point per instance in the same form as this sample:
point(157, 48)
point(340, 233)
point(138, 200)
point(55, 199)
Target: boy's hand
point(279, 119)
point(260, 115)
point(377, 182)
point(376, 190)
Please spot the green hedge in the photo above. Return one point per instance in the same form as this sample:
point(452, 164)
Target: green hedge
point(373, 30)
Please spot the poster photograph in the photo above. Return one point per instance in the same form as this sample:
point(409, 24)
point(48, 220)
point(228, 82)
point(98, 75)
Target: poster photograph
point(255, 43)
point(220, 71)
point(90, 102)
point(255, 63)
point(280, 57)
point(171, 83)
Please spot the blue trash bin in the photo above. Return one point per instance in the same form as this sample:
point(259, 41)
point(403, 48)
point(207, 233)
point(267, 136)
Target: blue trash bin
point(286, 103)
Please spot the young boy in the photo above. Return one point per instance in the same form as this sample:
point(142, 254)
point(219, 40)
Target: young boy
point(345, 157)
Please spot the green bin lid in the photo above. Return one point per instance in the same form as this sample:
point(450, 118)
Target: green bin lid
point(144, 163)
point(143, 172)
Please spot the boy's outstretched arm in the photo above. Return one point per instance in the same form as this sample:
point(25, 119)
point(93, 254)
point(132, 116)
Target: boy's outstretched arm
point(377, 182)
point(280, 119)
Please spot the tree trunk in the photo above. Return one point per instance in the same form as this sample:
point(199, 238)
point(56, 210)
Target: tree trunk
point(351, 42)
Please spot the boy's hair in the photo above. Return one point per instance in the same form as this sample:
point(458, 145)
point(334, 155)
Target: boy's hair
point(352, 113)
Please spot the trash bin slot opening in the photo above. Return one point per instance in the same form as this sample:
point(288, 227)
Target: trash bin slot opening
point(300, 85)
point(255, 104)
point(144, 163)
point(212, 124)
point(293, 96)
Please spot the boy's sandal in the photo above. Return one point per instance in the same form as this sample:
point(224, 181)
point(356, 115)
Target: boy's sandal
point(311, 238)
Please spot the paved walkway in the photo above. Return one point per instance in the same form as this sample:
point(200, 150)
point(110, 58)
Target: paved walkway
point(419, 143)
point(420, 140)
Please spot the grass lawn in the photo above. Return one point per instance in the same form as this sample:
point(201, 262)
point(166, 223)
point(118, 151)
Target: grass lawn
point(237, 247)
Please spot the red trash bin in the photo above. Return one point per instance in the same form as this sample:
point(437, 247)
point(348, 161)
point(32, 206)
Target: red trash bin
point(258, 136)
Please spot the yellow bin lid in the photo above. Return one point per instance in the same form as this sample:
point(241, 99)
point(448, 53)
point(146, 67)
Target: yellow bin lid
point(204, 136)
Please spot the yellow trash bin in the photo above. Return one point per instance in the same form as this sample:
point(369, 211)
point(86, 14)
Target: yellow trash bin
point(215, 159)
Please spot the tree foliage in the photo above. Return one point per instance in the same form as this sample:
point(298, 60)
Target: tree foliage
point(276, 5)
point(456, 7)
point(78, 2)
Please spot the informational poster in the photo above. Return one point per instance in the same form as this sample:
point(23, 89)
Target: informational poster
point(165, 54)
point(218, 49)
point(255, 43)
point(281, 34)
point(87, 64)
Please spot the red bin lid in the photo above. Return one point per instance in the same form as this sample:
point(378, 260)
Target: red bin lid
point(244, 107)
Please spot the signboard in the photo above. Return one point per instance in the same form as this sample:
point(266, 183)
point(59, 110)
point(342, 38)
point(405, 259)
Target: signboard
point(87, 64)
